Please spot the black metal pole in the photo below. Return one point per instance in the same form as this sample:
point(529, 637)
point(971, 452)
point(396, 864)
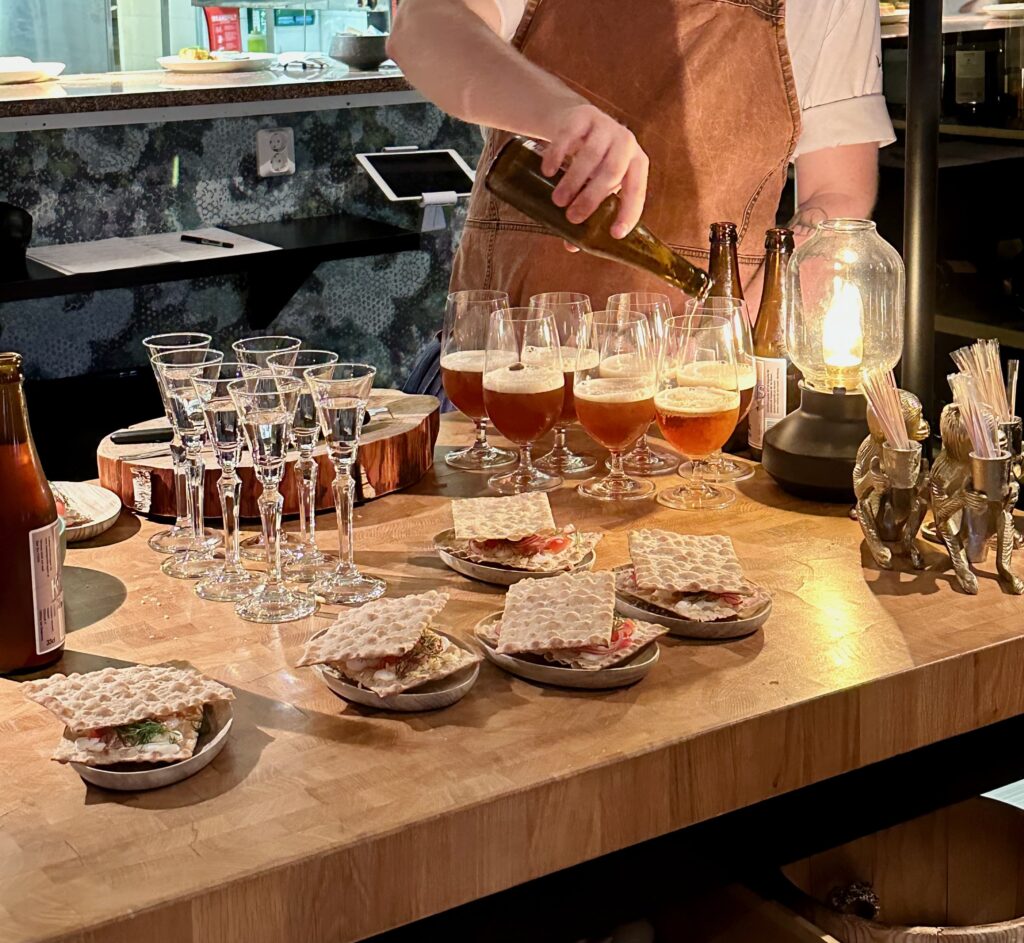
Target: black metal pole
point(920, 198)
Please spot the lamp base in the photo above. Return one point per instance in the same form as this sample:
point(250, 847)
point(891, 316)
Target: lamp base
point(812, 451)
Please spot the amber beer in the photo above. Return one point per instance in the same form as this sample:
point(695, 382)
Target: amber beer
point(523, 401)
point(615, 411)
point(515, 176)
point(577, 360)
point(462, 373)
point(31, 589)
point(697, 420)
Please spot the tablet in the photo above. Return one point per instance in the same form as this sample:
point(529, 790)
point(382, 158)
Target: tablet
point(408, 174)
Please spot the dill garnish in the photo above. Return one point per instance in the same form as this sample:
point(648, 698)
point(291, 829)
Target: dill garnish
point(144, 731)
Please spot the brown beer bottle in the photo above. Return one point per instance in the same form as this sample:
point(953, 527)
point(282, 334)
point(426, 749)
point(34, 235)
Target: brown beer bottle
point(515, 177)
point(724, 266)
point(778, 382)
point(31, 590)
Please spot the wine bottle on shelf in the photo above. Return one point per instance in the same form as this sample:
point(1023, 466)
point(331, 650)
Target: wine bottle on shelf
point(31, 588)
point(724, 266)
point(515, 177)
point(778, 382)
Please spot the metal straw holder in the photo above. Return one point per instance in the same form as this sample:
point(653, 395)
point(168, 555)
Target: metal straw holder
point(991, 476)
point(902, 466)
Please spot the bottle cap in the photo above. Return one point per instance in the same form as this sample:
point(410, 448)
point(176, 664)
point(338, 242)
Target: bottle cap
point(10, 367)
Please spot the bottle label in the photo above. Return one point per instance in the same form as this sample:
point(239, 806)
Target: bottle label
point(970, 77)
point(47, 586)
point(769, 403)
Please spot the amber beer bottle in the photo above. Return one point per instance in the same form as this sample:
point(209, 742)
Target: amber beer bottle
point(515, 177)
point(778, 381)
point(724, 266)
point(31, 591)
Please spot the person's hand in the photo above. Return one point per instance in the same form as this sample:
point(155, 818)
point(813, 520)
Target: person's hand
point(605, 158)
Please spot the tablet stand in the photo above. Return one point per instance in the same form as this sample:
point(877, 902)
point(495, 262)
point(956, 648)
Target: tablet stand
point(433, 205)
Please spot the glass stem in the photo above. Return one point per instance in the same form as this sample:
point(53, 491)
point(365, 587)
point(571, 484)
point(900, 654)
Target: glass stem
point(194, 480)
point(230, 492)
point(615, 469)
point(560, 447)
point(271, 505)
point(480, 442)
point(344, 499)
point(695, 482)
point(307, 469)
point(716, 459)
point(181, 510)
point(525, 469)
point(641, 445)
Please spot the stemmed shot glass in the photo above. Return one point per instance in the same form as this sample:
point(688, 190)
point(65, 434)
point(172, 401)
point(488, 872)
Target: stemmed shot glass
point(341, 395)
point(305, 561)
point(657, 308)
point(178, 537)
point(570, 309)
point(266, 406)
point(615, 397)
point(176, 370)
point(523, 390)
point(232, 581)
point(258, 350)
point(719, 468)
point(467, 315)
point(698, 403)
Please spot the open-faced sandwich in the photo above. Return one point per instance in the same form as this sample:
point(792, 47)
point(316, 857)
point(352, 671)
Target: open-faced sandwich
point(688, 577)
point(568, 620)
point(389, 646)
point(140, 714)
point(515, 533)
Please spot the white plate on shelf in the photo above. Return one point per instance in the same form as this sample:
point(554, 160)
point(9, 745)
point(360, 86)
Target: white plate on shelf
point(136, 777)
point(1008, 11)
point(235, 62)
point(897, 16)
point(18, 69)
point(100, 504)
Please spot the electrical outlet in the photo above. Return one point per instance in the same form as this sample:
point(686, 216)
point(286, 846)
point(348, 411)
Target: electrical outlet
point(275, 152)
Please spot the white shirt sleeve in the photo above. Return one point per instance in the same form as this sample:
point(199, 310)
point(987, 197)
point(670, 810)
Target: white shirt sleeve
point(837, 62)
point(511, 13)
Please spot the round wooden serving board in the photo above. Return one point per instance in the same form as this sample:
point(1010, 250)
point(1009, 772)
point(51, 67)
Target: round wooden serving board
point(395, 452)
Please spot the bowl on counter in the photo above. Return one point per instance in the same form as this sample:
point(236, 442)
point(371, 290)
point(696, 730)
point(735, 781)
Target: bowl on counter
point(364, 53)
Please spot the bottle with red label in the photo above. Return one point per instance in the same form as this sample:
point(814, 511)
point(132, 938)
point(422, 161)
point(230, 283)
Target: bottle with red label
point(31, 577)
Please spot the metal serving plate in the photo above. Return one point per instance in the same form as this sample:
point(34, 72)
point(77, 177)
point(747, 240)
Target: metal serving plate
point(533, 669)
point(136, 777)
point(427, 697)
point(494, 574)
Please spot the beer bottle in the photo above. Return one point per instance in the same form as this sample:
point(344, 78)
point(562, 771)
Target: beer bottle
point(724, 266)
point(778, 391)
point(31, 591)
point(515, 177)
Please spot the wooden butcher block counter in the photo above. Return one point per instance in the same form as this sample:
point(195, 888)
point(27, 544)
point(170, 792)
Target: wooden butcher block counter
point(321, 821)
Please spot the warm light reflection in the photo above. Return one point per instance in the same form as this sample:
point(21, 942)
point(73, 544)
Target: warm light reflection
point(842, 337)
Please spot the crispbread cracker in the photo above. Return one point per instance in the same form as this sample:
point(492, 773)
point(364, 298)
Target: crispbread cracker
point(384, 628)
point(685, 563)
point(112, 697)
point(434, 657)
point(509, 518)
point(112, 751)
point(567, 611)
point(697, 607)
point(643, 634)
point(506, 555)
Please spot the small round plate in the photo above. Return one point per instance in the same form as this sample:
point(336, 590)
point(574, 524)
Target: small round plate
point(494, 573)
point(427, 697)
point(100, 504)
point(17, 70)
point(137, 777)
point(1010, 11)
point(896, 16)
point(244, 62)
point(533, 668)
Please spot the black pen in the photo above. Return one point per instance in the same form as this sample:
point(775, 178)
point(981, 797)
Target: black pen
point(200, 241)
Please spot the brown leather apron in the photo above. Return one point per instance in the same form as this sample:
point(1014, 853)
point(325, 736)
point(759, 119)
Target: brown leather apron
point(707, 88)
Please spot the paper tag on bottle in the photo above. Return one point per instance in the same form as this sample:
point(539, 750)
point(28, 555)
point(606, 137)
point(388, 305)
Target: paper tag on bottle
point(47, 586)
point(769, 403)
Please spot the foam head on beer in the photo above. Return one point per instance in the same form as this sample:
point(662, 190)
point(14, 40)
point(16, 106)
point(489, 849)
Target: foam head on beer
point(615, 411)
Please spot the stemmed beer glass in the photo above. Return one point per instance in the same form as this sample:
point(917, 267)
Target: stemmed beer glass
point(180, 536)
point(467, 316)
point(657, 308)
point(341, 395)
point(571, 309)
point(698, 403)
point(232, 581)
point(176, 370)
point(523, 390)
point(615, 397)
point(266, 405)
point(305, 561)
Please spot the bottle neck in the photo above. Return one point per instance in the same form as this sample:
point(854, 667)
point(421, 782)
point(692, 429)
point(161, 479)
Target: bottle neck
point(724, 269)
point(14, 427)
point(774, 269)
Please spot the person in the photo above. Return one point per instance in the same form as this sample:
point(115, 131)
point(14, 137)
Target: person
point(692, 110)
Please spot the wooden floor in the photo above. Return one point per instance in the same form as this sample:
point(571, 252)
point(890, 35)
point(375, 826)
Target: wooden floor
point(324, 822)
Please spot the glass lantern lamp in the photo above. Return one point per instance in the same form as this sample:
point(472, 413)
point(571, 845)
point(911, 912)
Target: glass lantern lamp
point(844, 314)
